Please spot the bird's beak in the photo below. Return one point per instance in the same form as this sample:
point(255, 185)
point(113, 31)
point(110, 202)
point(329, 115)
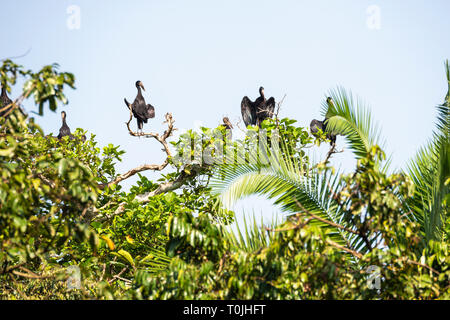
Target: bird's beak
point(142, 86)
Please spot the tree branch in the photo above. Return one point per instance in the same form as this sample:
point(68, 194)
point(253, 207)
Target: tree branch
point(278, 110)
point(338, 246)
point(160, 138)
point(422, 265)
point(162, 188)
point(331, 152)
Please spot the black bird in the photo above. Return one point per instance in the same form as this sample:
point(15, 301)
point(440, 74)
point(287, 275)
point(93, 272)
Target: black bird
point(4, 101)
point(228, 126)
point(64, 130)
point(141, 111)
point(253, 113)
point(315, 125)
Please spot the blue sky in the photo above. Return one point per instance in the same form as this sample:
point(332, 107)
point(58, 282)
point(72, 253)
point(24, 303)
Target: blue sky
point(197, 59)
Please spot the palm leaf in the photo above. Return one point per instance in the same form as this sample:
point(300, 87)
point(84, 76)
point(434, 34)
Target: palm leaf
point(352, 119)
point(276, 176)
point(251, 236)
point(429, 170)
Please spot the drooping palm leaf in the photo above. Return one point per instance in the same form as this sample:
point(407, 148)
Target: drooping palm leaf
point(155, 261)
point(282, 180)
point(430, 170)
point(352, 119)
point(251, 236)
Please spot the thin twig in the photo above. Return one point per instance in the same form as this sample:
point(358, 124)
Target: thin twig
point(331, 152)
point(117, 276)
point(278, 109)
point(422, 265)
point(19, 56)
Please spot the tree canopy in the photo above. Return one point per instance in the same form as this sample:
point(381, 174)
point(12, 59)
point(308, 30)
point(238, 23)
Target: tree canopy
point(367, 234)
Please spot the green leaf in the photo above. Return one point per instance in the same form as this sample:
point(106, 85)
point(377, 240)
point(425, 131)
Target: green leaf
point(125, 255)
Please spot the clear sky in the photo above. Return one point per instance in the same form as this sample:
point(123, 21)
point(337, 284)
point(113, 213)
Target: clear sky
point(197, 59)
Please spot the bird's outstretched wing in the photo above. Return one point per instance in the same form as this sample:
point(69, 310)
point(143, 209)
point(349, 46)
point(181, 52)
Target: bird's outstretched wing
point(248, 111)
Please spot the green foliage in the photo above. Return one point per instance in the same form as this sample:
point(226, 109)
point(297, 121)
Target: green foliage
point(47, 188)
point(46, 85)
point(42, 193)
point(284, 177)
point(9, 72)
point(302, 261)
point(430, 171)
point(171, 238)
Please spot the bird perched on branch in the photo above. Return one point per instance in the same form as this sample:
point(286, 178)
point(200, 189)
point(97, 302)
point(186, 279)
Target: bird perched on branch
point(141, 111)
point(254, 113)
point(4, 102)
point(64, 130)
point(315, 125)
point(228, 126)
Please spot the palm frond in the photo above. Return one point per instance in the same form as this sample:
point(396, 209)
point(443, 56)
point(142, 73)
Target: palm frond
point(155, 261)
point(429, 170)
point(251, 236)
point(287, 183)
point(352, 119)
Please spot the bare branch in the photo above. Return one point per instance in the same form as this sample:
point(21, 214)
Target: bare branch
point(132, 172)
point(117, 276)
point(19, 56)
point(160, 138)
point(331, 152)
point(278, 109)
point(238, 126)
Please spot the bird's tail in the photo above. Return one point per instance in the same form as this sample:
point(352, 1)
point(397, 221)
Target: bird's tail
point(127, 103)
